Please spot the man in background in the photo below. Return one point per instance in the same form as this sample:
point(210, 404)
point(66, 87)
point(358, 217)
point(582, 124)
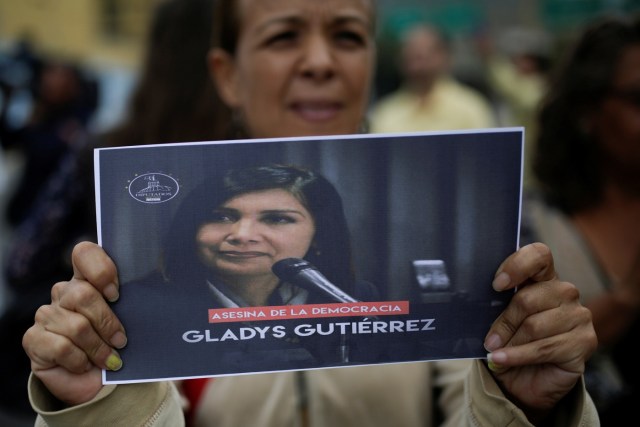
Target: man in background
point(429, 98)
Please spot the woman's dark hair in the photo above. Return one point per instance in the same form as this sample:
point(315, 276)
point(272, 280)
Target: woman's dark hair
point(175, 99)
point(226, 25)
point(331, 248)
point(567, 160)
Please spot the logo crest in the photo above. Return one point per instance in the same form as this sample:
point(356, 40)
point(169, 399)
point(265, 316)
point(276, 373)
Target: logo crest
point(153, 188)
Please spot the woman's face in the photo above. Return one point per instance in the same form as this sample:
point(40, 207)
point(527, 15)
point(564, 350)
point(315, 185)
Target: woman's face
point(302, 67)
point(250, 232)
point(616, 123)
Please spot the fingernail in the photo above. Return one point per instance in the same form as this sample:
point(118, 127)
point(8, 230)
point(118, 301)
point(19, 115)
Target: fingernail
point(119, 340)
point(493, 342)
point(493, 366)
point(501, 281)
point(111, 292)
point(497, 358)
point(114, 362)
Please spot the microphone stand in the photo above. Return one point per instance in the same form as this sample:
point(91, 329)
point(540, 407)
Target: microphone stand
point(344, 348)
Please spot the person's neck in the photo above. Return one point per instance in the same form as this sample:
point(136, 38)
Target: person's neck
point(613, 230)
point(254, 290)
point(421, 87)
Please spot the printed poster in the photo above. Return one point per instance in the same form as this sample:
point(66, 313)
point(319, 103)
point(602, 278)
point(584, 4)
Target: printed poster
point(268, 255)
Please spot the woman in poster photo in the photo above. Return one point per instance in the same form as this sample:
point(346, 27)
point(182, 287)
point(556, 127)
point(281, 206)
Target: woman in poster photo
point(245, 220)
point(294, 68)
point(218, 254)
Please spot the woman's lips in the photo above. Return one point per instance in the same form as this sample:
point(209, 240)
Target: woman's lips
point(316, 111)
point(237, 254)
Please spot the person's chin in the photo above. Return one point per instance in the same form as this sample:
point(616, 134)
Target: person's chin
point(241, 270)
point(317, 128)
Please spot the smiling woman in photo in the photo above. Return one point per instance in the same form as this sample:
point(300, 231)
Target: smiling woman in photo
point(239, 223)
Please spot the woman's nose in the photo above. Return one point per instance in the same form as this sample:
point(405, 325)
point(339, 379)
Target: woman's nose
point(318, 62)
point(244, 230)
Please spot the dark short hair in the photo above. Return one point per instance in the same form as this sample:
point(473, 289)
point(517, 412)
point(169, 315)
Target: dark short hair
point(567, 159)
point(331, 251)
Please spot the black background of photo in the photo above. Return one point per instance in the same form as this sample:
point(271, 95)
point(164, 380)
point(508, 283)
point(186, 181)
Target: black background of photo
point(454, 197)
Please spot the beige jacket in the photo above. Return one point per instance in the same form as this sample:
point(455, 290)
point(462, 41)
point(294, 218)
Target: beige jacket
point(384, 395)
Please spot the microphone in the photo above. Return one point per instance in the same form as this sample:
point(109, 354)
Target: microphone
point(302, 273)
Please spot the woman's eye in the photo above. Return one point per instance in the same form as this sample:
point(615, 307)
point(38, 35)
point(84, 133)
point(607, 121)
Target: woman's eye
point(221, 217)
point(282, 38)
point(350, 38)
point(278, 219)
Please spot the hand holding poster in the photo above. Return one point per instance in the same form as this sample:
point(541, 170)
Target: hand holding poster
point(196, 228)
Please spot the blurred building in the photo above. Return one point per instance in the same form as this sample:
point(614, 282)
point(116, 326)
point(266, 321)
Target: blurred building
point(106, 37)
point(110, 31)
point(464, 20)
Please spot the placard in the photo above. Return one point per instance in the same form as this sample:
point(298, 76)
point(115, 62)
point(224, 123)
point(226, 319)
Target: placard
point(384, 247)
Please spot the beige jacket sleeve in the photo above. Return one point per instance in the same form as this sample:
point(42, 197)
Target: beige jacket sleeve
point(145, 404)
point(484, 404)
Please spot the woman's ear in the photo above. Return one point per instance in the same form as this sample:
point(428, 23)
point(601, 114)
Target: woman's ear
point(223, 72)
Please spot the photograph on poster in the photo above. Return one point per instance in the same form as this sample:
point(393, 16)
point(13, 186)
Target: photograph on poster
point(302, 253)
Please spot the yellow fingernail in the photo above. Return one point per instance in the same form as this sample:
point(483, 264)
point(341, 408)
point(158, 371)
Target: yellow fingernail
point(114, 362)
point(493, 366)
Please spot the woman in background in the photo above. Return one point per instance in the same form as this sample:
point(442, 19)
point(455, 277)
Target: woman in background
point(588, 164)
point(174, 100)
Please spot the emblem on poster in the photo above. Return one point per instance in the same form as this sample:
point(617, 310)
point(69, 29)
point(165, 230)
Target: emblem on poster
point(153, 188)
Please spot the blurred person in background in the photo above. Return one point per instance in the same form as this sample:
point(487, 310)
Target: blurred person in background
point(174, 101)
point(65, 99)
point(293, 68)
point(517, 70)
point(20, 66)
point(588, 210)
point(430, 98)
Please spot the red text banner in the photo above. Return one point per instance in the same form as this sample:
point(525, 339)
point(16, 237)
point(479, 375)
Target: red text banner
point(306, 311)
